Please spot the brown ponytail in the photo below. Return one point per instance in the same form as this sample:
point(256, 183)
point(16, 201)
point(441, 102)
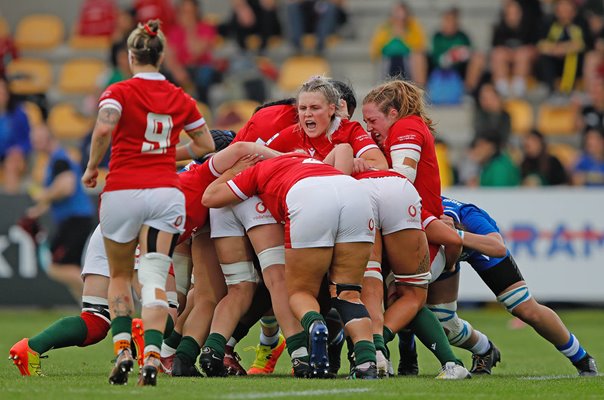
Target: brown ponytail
point(147, 43)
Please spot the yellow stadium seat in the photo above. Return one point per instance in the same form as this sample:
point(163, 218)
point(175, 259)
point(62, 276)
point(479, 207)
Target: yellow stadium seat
point(556, 120)
point(234, 114)
point(205, 111)
point(66, 123)
point(29, 76)
point(79, 42)
point(297, 70)
point(566, 153)
point(521, 114)
point(81, 76)
point(39, 32)
point(34, 114)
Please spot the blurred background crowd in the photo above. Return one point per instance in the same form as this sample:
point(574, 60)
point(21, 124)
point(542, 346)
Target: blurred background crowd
point(516, 86)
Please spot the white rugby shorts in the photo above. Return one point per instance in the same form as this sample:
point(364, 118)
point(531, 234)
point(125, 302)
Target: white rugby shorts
point(236, 220)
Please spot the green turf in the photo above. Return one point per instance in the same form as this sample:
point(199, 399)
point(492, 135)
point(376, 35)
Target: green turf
point(531, 368)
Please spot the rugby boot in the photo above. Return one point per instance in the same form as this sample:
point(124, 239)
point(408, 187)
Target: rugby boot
point(26, 360)
point(382, 364)
point(407, 364)
point(211, 362)
point(123, 366)
point(231, 362)
point(138, 339)
point(149, 371)
point(482, 364)
point(586, 366)
point(453, 371)
point(366, 370)
point(267, 357)
point(334, 350)
point(300, 368)
point(182, 367)
point(319, 358)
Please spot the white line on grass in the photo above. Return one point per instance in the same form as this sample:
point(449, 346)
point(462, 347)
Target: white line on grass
point(548, 377)
point(263, 395)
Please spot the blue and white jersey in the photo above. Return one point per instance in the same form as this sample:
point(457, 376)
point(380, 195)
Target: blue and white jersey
point(474, 220)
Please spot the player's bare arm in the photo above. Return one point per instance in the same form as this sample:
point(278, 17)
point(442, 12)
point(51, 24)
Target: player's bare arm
point(106, 122)
point(201, 144)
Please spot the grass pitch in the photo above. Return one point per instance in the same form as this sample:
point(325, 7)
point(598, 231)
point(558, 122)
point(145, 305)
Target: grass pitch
point(530, 368)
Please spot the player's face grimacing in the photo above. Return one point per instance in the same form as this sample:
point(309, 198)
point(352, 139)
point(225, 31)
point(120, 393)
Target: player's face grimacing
point(377, 122)
point(314, 113)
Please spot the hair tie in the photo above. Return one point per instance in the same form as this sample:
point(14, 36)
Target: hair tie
point(149, 31)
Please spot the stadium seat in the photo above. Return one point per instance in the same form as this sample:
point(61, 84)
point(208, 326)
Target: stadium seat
point(297, 70)
point(80, 76)
point(33, 112)
point(566, 153)
point(521, 114)
point(556, 120)
point(79, 42)
point(67, 124)
point(234, 114)
point(204, 109)
point(39, 32)
point(29, 76)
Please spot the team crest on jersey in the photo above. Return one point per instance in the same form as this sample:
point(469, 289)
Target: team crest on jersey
point(260, 207)
point(412, 210)
point(371, 224)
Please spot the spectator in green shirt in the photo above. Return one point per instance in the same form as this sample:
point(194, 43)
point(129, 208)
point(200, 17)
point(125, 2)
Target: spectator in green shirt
point(496, 167)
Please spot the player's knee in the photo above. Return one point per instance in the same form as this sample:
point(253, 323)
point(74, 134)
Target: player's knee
point(271, 256)
point(514, 297)
point(348, 310)
point(152, 275)
point(97, 327)
point(239, 272)
point(458, 331)
point(374, 270)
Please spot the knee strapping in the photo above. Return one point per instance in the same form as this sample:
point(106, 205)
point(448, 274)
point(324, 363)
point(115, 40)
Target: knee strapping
point(374, 270)
point(172, 299)
point(97, 327)
point(349, 311)
point(152, 275)
point(96, 305)
point(421, 280)
point(513, 298)
point(458, 331)
point(238, 272)
point(271, 256)
point(182, 272)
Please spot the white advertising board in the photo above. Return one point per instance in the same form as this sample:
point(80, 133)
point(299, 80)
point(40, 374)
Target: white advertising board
point(555, 235)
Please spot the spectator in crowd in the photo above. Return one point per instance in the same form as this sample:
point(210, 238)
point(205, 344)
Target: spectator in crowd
point(490, 118)
point(97, 18)
point(589, 170)
point(306, 16)
point(591, 115)
point(401, 45)
point(496, 167)
point(71, 210)
point(514, 51)
point(539, 167)
point(253, 17)
point(8, 50)
point(124, 23)
point(452, 50)
point(145, 10)
point(561, 49)
point(15, 144)
point(191, 43)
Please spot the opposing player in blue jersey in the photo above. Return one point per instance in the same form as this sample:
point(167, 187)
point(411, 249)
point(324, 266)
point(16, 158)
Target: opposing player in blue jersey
point(486, 252)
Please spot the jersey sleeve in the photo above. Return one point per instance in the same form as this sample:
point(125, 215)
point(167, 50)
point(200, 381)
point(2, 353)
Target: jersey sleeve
point(408, 137)
point(194, 120)
point(245, 184)
point(427, 218)
point(360, 140)
point(113, 97)
point(286, 141)
point(476, 222)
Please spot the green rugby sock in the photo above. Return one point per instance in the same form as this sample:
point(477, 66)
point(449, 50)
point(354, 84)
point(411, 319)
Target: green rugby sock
point(430, 332)
point(188, 349)
point(66, 332)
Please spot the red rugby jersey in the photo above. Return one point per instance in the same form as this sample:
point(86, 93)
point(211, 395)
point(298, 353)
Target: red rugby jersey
point(411, 133)
point(272, 179)
point(351, 132)
point(143, 145)
point(266, 123)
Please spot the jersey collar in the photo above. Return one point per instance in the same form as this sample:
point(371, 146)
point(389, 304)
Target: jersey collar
point(152, 76)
